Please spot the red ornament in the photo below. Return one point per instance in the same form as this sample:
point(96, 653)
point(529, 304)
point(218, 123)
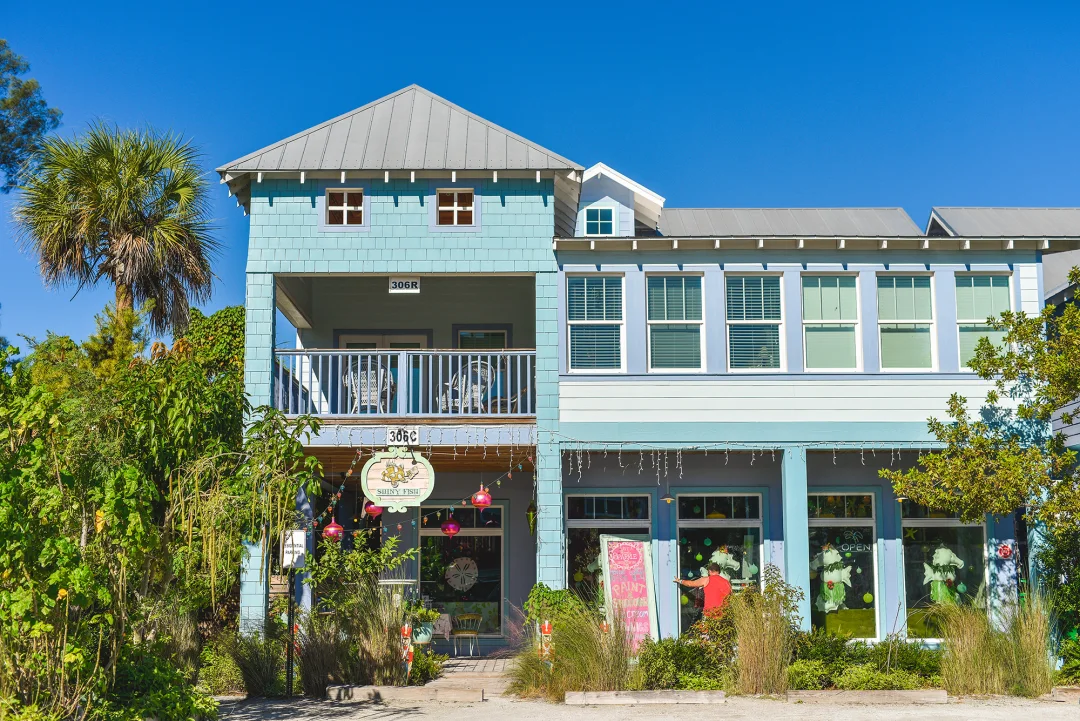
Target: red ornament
point(830, 584)
point(482, 498)
point(1005, 552)
point(333, 530)
point(450, 528)
point(948, 582)
point(372, 510)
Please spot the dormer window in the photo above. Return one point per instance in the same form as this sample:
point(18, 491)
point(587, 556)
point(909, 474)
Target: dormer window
point(455, 207)
point(345, 207)
point(599, 221)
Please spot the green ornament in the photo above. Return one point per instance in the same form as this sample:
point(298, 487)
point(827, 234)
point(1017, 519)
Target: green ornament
point(682, 541)
point(697, 509)
point(858, 569)
point(847, 554)
point(685, 599)
point(698, 557)
point(579, 576)
point(838, 540)
point(868, 598)
point(707, 541)
point(961, 587)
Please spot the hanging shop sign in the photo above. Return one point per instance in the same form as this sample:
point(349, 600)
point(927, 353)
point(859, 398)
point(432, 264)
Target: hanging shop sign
point(397, 478)
point(628, 584)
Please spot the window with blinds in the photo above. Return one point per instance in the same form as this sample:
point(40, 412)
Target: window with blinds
point(830, 318)
point(905, 319)
point(754, 318)
point(675, 322)
point(594, 311)
point(979, 297)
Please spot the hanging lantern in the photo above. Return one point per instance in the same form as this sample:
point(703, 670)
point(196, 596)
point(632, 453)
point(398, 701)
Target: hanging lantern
point(333, 530)
point(370, 509)
point(482, 498)
point(450, 528)
point(667, 498)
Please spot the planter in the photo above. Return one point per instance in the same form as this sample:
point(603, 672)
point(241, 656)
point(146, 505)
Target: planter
point(422, 633)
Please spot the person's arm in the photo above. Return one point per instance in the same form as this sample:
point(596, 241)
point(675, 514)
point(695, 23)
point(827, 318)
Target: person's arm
point(696, 583)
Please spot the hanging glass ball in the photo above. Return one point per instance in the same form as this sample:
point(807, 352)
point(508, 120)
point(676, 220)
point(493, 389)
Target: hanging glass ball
point(698, 557)
point(333, 531)
point(868, 598)
point(482, 498)
point(707, 541)
point(685, 599)
point(372, 510)
point(450, 528)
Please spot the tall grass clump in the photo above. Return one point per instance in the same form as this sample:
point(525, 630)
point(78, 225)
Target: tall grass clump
point(766, 626)
point(260, 657)
point(323, 652)
point(1030, 627)
point(588, 656)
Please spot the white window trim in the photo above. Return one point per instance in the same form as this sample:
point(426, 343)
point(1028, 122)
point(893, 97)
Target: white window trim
point(344, 208)
point(780, 325)
point(621, 323)
point(614, 220)
point(961, 321)
point(870, 523)
point(857, 323)
point(938, 523)
point(700, 323)
point(488, 532)
point(643, 525)
point(456, 208)
point(932, 323)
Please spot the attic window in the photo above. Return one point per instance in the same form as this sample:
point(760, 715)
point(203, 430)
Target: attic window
point(455, 207)
point(344, 207)
point(599, 221)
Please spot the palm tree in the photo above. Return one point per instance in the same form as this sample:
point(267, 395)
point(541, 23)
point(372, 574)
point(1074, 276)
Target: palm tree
point(130, 206)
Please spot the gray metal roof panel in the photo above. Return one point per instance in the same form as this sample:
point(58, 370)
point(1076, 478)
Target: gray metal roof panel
point(1012, 222)
point(412, 129)
point(793, 222)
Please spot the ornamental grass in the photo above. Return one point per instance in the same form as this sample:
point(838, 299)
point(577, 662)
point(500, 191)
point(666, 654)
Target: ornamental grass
point(765, 631)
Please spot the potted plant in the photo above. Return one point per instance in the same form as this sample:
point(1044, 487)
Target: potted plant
point(423, 622)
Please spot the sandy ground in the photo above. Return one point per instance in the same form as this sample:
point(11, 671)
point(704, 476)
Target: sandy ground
point(502, 709)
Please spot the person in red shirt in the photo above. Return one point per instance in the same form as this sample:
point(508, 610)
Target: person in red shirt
point(716, 588)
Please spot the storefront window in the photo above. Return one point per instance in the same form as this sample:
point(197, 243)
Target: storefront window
point(722, 529)
point(464, 573)
point(843, 590)
point(944, 562)
point(587, 517)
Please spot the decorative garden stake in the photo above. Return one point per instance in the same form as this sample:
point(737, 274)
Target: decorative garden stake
point(333, 530)
point(407, 649)
point(482, 498)
point(370, 509)
point(547, 653)
point(530, 514)
point(450, 528)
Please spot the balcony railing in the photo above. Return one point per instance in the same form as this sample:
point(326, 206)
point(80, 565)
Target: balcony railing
point(363, 383)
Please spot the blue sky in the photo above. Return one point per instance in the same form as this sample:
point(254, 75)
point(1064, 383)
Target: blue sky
point(720, 104)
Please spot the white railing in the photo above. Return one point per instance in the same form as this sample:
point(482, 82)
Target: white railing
point(405, 383)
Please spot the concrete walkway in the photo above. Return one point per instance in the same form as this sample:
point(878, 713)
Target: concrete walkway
point(488, 674)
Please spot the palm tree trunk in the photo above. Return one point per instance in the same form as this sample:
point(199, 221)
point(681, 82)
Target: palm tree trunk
point(123, 298)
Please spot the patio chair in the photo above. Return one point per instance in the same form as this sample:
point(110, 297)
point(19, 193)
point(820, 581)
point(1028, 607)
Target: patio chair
point(468, 389)
point(370, 388)
point(466, 626)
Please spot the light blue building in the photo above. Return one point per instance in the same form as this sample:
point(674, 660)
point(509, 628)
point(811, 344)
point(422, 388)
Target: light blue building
point(724, 382)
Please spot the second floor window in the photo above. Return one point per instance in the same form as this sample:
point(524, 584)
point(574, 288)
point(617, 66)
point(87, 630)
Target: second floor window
point(979, 297)
point(905, 319)
point(675, 321)
point(594, 312)
point(345, 207)
point(455, 207)
point(599, 221)
point(754, 317)
point(830, 318)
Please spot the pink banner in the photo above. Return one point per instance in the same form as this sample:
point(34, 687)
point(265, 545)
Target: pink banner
point(629, 585)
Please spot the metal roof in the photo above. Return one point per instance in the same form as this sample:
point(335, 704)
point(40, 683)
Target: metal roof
point(794, 222)
point(1010, 222)
point(412, 129)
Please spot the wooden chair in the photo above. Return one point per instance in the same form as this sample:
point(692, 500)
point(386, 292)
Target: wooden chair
point(466, 626)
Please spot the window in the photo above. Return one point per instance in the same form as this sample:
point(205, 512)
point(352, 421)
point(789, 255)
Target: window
point(905, 322)
point(455, 207)
point(830, 318)
point(595, 315)
point(843, 564)
point(599, 221)
point(754, 318)
point(464, 574)
point(345, 207)
point(587, 517)
point(481, 339)
point(675, 321)
point(944, 562)
point(717, 528)
point(979, 297)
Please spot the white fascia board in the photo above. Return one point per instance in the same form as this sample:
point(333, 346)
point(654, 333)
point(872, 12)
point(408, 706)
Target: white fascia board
point(632, 186)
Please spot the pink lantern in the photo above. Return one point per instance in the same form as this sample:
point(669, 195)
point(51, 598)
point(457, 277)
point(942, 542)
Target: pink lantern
point(372, 510)
point(482, 498)
point(450, 528)
point(333, 530)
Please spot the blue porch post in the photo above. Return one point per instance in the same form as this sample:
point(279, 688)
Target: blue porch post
point(797, 528)
point(254, 588)
point(302, 591)
point(550, 540)
point(1002, 592)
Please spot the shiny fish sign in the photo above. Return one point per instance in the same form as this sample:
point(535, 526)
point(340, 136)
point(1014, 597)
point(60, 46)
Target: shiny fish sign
point(397, 478)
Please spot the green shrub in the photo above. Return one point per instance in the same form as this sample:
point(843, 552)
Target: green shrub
point(260, 659)
point(148, 686)
point(897, 653)
point(807, 675)
point(546, 604)
point(683, 663)
point(218, 673)
point(427, 666)
point(695, 682)
point(865, 677)
point(1070, 661)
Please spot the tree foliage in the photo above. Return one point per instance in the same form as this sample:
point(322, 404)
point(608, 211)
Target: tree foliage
point(131, 207)
point(1009, 457)
point(25, 117)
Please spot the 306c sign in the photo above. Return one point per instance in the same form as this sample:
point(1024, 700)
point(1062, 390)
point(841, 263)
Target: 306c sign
point(403, 435)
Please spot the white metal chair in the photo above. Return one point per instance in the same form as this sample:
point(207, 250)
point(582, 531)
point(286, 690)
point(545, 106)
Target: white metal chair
point(468, 389)
point(369, 388)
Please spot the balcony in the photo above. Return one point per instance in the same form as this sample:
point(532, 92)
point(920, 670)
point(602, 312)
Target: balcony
point(383, 384)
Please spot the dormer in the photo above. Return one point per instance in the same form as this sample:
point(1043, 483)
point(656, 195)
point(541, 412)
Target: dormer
point(613, 205)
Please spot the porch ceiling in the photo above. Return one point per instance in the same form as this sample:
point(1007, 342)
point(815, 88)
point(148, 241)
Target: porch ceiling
point(469, 460)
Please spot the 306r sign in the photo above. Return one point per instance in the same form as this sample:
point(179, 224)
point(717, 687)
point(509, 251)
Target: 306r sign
point(404, 284)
